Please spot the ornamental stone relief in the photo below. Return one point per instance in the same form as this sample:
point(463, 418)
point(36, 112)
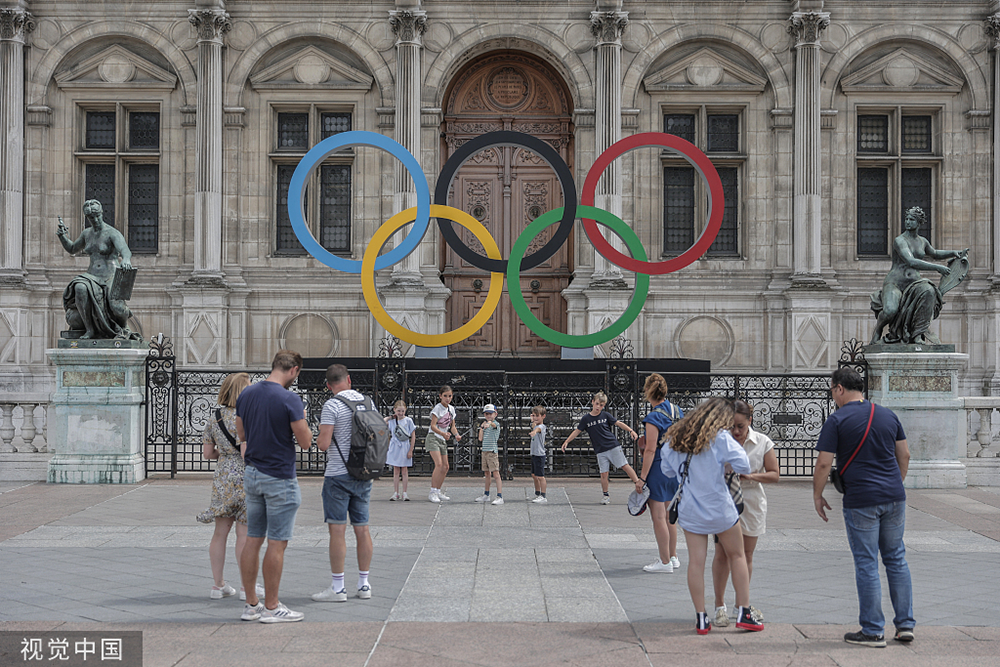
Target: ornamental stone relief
point(509, 82)
point(211, 24)
point(507, 87)
point(15, 24)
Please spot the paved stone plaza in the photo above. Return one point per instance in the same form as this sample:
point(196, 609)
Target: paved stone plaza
point(466, 584)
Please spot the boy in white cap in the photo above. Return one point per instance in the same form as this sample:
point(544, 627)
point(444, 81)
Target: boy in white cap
point(489, 435)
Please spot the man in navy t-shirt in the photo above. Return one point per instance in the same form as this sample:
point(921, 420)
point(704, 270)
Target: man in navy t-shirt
point(269, 420)
point(597, 423)
point(874, 502)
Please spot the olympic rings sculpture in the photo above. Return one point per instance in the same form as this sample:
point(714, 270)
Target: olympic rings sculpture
point(420, 216)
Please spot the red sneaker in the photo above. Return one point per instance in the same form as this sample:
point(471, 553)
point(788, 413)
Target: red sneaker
point(701, 623)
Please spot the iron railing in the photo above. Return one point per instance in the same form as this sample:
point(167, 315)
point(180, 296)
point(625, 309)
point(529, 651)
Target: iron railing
point(790, 409)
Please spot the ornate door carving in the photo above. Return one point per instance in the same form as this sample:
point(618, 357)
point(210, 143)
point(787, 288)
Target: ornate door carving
point(506, 188)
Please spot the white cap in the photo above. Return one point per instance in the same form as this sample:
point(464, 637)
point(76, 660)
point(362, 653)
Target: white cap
point(489, 407)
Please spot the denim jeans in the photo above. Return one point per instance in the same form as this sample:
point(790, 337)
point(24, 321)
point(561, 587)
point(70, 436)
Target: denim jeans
point(271, 505)
point(871, 530)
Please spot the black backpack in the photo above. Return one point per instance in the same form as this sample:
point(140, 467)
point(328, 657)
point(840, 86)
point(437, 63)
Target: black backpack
point(369, 440)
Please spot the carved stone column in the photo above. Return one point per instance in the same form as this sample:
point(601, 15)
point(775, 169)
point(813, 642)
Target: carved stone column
point(607, 27)
point(806, 27)
point(211, 24)
point(993, 30)
point(408, 25)
point(15, 24)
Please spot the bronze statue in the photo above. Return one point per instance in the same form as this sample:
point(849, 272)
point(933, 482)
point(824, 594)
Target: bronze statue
point(908, 303)
point(92, 309)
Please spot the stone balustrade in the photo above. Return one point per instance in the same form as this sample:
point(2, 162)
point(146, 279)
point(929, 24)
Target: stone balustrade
point(980, 410)
point(23, 426)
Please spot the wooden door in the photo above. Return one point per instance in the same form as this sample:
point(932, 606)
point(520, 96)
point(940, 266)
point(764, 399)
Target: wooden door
point(505, 188)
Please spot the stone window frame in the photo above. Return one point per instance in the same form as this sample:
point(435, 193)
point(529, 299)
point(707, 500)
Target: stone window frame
point(289, 157)
point(727, 159)
point(895, 160)
point(122, 157)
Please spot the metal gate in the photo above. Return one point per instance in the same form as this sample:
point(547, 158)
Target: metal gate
point(790, 409)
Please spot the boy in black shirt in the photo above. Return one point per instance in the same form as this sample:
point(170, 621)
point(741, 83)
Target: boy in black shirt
point(597, 423)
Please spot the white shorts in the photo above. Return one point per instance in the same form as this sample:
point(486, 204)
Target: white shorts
point(613, 457)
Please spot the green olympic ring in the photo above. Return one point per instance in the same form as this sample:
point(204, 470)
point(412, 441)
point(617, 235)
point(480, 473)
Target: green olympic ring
point(616, 225)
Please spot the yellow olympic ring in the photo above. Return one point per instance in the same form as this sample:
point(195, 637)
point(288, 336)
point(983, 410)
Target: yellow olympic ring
point(375, 306)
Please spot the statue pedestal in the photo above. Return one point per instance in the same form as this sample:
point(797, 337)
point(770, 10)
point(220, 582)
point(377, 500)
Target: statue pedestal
point(922, 389)
point(95, 416)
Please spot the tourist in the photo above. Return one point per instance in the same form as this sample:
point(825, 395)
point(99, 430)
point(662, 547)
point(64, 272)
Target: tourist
point(343, 496)
point(872, 457)
point(763, 470)
point(537, 435)
point(402, 440)
point(700, 447)
point(597, 423)
point(270, 419)
point(442, 420)
point(661, 488)
point(489, 435)
point(228, 505)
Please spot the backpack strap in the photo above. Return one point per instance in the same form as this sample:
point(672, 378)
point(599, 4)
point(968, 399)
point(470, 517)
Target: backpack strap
point(672, 415)
point(353, 406)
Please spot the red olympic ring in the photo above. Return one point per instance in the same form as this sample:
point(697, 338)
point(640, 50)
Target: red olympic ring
point(698, 160)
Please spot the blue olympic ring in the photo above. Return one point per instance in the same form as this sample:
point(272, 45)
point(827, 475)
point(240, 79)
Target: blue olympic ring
point(325, 148)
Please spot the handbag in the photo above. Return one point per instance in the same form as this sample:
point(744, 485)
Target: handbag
point(837, 476)
point(735, 489)
point(672, 510)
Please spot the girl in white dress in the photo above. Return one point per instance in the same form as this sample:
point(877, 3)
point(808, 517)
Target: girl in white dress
point(402, 439)
point(700, 449)
point(763, 470)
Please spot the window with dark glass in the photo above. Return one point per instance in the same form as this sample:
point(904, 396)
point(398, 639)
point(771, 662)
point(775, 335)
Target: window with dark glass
point(681, 125)
point(896, 166)
point(328, 216)
point(125, 177)
point(685, 195)
point(873, 134)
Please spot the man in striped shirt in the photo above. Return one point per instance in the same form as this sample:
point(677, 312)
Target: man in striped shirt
point(343, 496)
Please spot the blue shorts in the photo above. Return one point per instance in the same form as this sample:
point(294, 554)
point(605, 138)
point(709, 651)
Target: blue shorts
point(272, 503)
point(661, 488)
point(345, 496)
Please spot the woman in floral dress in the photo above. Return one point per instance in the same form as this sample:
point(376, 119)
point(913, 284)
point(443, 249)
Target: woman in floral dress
point(228, 502)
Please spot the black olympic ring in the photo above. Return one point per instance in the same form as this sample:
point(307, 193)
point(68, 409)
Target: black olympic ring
point(544, 151)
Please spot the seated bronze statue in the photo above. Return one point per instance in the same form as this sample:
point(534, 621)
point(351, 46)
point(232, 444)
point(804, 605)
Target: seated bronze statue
point(91, 312)
point(908, 303)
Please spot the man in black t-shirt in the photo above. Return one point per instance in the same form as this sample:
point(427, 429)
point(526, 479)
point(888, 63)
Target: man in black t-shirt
point(874, 502)
point(597, 423)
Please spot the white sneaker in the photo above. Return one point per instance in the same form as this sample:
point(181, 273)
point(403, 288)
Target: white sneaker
point(540, 499)
point(433, 497)
point(721, 618)
point(252, 612)
point(659, 566)
point(365, 592)
point(330, 595)
point(606, 500)
point(442, 496)
point(485, 498)
point(394, 496)
point(280, 614)
point(498, 501)
point(406, 497)
point(258, 588)
point(675, 562)
point(218, 593)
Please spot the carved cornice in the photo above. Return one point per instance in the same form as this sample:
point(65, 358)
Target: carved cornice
point(408, 25)
point(992, 27)
point(211, 24)
point(608, 27)
point(15, 24)
point(806, 27)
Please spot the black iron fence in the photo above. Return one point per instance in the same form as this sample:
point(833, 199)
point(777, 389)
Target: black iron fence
point(790, 409)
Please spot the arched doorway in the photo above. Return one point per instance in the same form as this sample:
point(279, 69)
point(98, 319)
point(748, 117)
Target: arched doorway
point(506, 188)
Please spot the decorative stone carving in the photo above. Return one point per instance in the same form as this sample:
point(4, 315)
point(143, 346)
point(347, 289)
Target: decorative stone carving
point(507, 87)
point(992, 27)
point(408, 25)
point(807, 27)
point(211, 24)
point(608, 27)
point(15, 24)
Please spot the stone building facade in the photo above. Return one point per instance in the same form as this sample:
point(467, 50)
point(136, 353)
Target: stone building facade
point(825, 120)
